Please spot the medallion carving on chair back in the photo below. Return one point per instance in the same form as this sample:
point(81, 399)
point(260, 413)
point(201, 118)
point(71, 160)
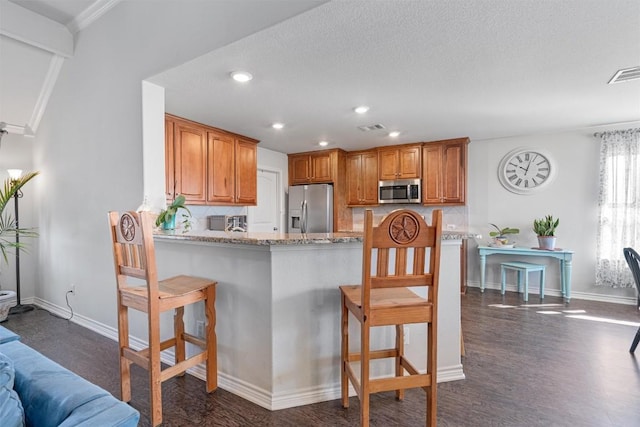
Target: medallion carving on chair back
point(404, 229)
point(127, 227)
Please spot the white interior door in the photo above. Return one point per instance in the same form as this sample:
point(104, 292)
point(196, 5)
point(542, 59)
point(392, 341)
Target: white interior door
point(267, 216)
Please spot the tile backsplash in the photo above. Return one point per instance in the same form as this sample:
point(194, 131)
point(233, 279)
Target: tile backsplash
point(453, 217)
point(199, 214)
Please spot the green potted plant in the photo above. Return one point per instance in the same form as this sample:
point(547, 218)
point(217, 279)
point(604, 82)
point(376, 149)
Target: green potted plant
point(501, 235)
point(167, 217)
point(8, 227)
point(545, 229)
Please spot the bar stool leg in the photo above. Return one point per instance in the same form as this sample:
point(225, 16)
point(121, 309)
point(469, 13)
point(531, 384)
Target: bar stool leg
point(542, 283)
point(526, 286)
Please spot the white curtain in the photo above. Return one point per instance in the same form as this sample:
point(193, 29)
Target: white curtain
point(619, 203)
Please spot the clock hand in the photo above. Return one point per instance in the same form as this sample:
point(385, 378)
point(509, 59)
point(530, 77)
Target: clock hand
point(527, 170)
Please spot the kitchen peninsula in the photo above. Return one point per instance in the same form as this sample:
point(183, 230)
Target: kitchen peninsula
point(278, 309)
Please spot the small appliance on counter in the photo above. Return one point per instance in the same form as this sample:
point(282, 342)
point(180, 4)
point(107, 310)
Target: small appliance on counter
point(227, 223)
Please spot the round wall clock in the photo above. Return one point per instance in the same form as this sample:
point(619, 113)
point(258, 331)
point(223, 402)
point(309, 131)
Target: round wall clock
point(525, 170)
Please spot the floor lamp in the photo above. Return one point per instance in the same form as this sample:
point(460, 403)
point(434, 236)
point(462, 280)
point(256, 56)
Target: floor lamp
point(15, 174)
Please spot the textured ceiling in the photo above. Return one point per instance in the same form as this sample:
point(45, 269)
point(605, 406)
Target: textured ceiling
point(429, 69)
point(432, 70)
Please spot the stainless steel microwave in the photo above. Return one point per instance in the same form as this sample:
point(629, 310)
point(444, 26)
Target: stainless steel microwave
point(399, 191)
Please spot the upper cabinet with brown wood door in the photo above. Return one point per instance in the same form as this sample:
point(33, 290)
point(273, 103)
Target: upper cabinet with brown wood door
point(186, 151)
point(362, 178)
point(444, 176)
point(399, 162)
point(221, 163)
point(170, 181)
point(315, 167)
point(246, 171)
point(209, 166)
point(232, 170)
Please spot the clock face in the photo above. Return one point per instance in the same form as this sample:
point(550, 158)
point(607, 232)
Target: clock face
point(524, 171)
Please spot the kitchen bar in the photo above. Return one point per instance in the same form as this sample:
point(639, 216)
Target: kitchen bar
point(278, 309)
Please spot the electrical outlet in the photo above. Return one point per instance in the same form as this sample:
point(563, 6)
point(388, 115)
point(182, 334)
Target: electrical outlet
point(407, 336)
point(200, 329)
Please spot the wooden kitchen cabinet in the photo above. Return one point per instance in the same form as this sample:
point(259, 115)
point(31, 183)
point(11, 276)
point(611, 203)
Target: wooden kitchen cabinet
point(316, 167)
point(170, 181)
point(209, 166)
point(324, 167)
point(444, 176)
point(186, 150)
point(399, 162)
point(299, 169)
point(221, 161)
point(246, 172)
point(362, 178)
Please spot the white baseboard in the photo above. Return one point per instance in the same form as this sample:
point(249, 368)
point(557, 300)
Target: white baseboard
point(534, 290)
point(257, 395)
point(333, 392)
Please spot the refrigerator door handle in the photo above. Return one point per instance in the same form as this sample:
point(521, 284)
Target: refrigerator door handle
point(303, 217)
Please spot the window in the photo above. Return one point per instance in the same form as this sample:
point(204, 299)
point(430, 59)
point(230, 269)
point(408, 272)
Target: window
point(619, 204)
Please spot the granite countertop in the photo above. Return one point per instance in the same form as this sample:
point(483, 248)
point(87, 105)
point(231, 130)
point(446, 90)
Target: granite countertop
point(252, 238)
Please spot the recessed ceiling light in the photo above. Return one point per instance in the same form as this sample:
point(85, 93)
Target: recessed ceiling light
point(277, 125)
point(323, 143)
point(241, 76)
point(361, 109)
point(394, 134)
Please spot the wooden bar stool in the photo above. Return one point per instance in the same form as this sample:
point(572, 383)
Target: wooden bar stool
point(405, 253)
point(523, 269)
point(134, 256)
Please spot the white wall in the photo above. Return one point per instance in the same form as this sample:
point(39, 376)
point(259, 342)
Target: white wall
point(89, 143)
point(89, 150)
point(572, 197)
point(16, 152)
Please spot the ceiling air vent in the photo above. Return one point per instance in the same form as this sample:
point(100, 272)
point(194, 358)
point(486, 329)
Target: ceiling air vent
point(377, 126)
point(625, 75)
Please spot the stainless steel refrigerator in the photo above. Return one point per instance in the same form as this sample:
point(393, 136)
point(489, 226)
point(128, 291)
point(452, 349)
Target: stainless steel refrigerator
point(310, 209)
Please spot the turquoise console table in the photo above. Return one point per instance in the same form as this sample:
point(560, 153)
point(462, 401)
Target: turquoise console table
point(563, 256)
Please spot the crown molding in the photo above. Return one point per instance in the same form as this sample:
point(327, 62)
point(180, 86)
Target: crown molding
point(25, 26)
point(90, 14)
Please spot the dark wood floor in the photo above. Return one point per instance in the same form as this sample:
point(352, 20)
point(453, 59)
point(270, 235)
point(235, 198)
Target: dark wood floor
point(523, 368)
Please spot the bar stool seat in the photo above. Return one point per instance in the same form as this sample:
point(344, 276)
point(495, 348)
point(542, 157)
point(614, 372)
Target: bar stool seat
point(523, 269)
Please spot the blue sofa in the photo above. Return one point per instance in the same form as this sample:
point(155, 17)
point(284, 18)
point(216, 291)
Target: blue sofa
point(51, 395)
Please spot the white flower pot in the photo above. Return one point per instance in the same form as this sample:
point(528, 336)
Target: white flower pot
point(547, 242)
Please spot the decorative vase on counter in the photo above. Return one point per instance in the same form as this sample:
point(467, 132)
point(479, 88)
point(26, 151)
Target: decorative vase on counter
point(170, 224)
point(547, 242)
